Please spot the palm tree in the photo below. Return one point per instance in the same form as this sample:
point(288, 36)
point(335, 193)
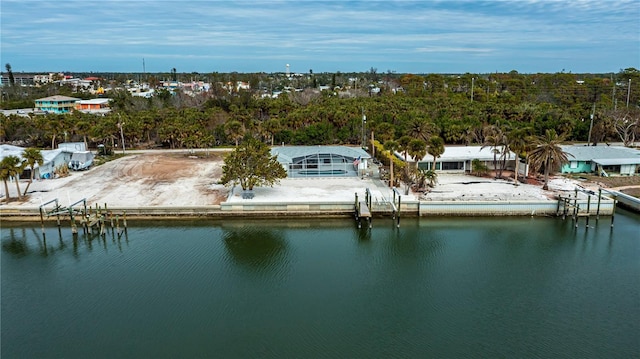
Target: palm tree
point(495, 139)
point(548, 154)
point(31, 157)
point(420, 128)
point(517, 142)
point(271, 127)
point(417, 150)
point(428, 177)
point(403, 146)
point(435, 149)
point(11, 166)
point(5, 174)
point(391, 146)
point(235, 130)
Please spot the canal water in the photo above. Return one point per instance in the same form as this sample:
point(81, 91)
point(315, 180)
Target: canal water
point(435, 287)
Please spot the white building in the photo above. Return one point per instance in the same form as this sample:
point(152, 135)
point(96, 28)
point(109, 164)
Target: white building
point(459, 159)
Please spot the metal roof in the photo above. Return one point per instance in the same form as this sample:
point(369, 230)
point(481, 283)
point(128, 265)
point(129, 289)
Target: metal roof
point(58, 98)
point(611, 154)
point(286, 154)
point(47, 155)
point(617, 161)
point(466, 153)
point(95, 101)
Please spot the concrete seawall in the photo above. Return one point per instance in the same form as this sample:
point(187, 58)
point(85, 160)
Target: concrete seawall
point(508, 208)
point(626, 201)
point(335, 209)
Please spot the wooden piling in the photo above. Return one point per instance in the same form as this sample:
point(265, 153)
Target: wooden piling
point(598, 209)
point(398, 215)
point(42, 220)
point(615, 201)
point(588, 209)
point(102, 230)
point(118, 225)
point(74, 228)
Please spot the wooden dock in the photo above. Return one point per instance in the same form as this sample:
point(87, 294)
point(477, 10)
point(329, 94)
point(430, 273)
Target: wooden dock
point(363, 210)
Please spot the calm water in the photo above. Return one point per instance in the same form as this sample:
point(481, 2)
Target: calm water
point(458, 287)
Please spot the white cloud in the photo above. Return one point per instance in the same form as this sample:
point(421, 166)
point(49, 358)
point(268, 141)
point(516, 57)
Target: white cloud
point(318, 30)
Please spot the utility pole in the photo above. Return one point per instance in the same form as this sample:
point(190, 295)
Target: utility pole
point(628, 93)
point(472, 82)
point(591, 124)
point(613, 96)
point(364, 122)
point(120, 125)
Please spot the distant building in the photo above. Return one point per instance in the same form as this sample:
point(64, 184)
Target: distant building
point(22, 79)
point(56, 104)
point(95, 105)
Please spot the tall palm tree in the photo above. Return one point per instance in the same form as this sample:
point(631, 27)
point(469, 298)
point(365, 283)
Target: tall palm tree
point(435, 149)
point(391, 146)
point(403, 146)
point(235, 130)
point(271, 127)
point(495, 139)
point(5, 174)
point(517, 142)
point(11, 166)
point(417, 150)
point(31, 157)
point(420, 128)
point(548, 154)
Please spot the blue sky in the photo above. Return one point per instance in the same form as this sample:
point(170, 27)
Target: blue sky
point(326, 36)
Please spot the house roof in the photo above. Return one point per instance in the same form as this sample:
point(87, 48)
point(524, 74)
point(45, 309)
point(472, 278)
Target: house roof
point(466, 153)
point(286, 154)
point(57, 98)
point(617, 161)
point(95, 101)
point(9, 150)
point(604, 155)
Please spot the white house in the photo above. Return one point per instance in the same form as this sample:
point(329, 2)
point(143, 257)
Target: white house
point(459, 159)
point(52, 159)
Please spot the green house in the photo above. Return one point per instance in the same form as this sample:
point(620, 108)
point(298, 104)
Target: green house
point(603, 160)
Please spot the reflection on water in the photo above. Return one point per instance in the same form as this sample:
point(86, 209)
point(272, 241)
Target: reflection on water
point(435, 287)
point(255, 248)
point(56, 239)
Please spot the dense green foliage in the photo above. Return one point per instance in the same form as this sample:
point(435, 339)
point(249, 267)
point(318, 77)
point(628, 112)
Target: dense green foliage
point(406, 105)
point(250, 165)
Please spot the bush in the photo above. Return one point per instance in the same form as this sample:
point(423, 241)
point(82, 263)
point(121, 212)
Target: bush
point(478, 168)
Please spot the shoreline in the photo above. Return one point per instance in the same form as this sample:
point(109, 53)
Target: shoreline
point(326, 209)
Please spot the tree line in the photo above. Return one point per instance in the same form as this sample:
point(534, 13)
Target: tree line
point(464, 109)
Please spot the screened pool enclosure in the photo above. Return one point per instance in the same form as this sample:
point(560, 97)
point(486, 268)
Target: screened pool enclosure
point(322, 161)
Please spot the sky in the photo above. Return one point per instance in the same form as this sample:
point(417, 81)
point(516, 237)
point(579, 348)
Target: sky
point(528, 36)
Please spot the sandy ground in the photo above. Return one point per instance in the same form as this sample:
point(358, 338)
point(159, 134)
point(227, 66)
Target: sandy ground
point(178, 179)
point(174, 179)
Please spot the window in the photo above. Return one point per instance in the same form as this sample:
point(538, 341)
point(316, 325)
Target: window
point(452, 165)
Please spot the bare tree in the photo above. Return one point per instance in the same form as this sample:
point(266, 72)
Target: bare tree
point(626, 123)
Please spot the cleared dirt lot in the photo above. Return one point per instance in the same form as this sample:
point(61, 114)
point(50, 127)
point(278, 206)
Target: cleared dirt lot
point(145, 179)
